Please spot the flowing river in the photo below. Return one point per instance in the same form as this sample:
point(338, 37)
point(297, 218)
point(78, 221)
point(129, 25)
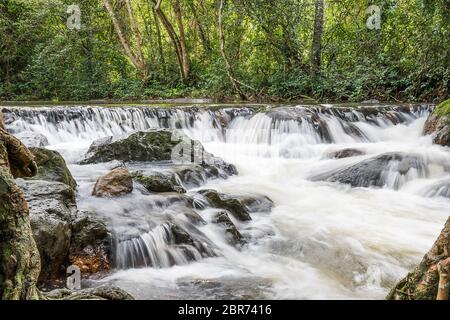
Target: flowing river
point(321, 240)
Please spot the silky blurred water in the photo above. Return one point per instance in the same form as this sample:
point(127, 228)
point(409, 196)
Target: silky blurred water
point(322, 240)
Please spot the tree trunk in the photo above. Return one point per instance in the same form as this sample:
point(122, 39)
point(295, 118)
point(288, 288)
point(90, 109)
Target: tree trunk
point(184, 54)
point(19, 257)
point(316, 50)
point(236, 83)
point(180, 46)
point(158, 35)
point(201, 30)
point(136, 59)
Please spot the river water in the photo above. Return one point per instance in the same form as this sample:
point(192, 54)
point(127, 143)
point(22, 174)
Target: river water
point(322, 240)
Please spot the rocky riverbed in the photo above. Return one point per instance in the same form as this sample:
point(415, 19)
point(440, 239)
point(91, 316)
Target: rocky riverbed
point(230, 202)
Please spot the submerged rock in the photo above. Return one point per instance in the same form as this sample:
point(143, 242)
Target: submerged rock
point(229, 203)
point(438, 124)
point(422, 283)
point(32, 139)
point(234, 237)
point(389, 169)
point(345, 153)
point(256, 203)
point(99, 293)
point(193, 217)
point(116, 183)
point(52, 167)
point(439, 189)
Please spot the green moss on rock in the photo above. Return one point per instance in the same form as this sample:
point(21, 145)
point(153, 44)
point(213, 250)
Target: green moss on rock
point(443, 109)
point(52, 167)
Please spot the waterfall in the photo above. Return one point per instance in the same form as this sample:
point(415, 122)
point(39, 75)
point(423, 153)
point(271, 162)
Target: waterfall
point(359, 194)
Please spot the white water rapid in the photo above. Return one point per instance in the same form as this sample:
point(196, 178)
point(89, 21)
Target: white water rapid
point(322, 239)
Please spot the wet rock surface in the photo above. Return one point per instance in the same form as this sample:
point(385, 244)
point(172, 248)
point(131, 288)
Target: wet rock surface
point(438, 124)
point(52, 167)
point(159, 182)
point(439, 189)
point(116, 183)
point(345, 153)
point(386, 169)
point(155, 145)
point(223, 201)
point(234, 237)
point(91, 244)
point(52, 209)
point(64, 235)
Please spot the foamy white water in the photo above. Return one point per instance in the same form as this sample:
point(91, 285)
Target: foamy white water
point(322, 240)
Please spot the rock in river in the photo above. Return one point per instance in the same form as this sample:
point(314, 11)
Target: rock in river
point(438, 124)
point(231, 204)
point(116, 183)
point(388, 169)
point(52, 167)
point(52, 209)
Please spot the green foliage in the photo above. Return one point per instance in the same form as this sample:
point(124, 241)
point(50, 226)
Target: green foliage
point(268, 44)
point(443, 109)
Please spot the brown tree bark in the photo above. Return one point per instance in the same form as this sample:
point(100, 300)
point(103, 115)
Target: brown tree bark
point(179, 45)
point(201, 30)
point(19, 257)
point(236, 83)
point(316, 49)
point(137, 59)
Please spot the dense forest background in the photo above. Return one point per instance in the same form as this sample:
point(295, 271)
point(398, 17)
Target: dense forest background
point(249, 49)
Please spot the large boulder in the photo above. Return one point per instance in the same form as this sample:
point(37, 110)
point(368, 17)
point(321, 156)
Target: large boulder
point(386, 169)
point(433, 272)
point(52, 167)
point(438, 124)
point(116, 183)
point(157, 146)
point(63, 235)
point(153, 145)
point(229, 203)
point(90, 245)
point(52, 209)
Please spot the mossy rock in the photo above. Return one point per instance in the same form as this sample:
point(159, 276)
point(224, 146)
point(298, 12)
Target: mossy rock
point(52, 167)
point(154, 145)
point(443, 109)
point(234, 237)
point(438, 124)
point(231, 204)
